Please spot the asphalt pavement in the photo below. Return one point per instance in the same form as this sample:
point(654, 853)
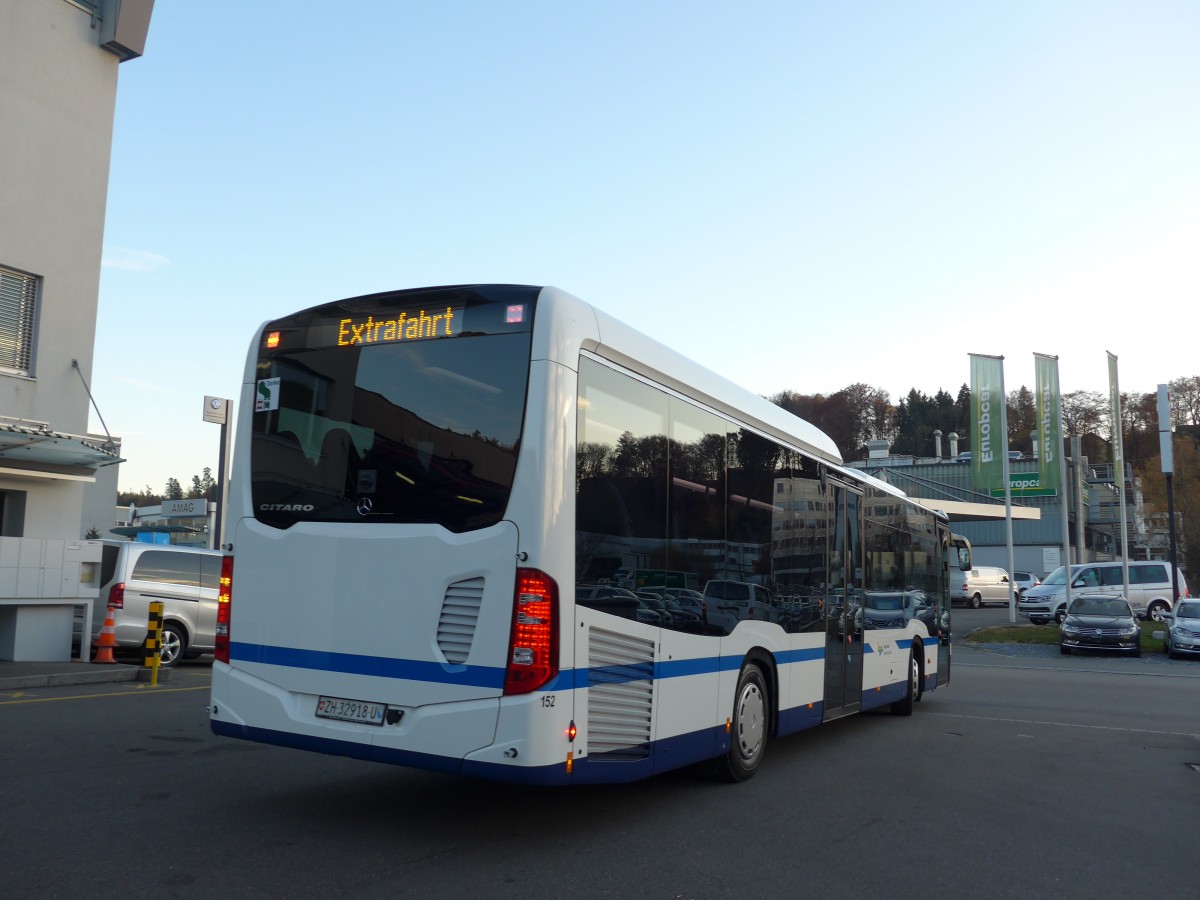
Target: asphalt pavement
point(19, 675)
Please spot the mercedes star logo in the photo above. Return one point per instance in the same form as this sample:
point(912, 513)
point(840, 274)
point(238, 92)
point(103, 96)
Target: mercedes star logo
point(364, 506)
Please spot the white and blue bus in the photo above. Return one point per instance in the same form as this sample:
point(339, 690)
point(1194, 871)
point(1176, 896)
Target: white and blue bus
point(432, 491)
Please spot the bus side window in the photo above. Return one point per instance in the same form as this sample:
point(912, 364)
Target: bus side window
point(601, 509)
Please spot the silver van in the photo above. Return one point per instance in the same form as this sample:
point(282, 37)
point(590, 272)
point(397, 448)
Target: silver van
point(980, 585)
point(185, 579)
point(1150, 590)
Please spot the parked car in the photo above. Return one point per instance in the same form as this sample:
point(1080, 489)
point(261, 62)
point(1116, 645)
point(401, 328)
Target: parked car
point(185, 579)
point(1023, 581)
point(1100, 621)
point(686, 598)
point(895, 609)
point(730, 602)
point(651, 600)
point(1150, 590)
point(980, 585)
point(685, 619)
point(610, 599)
point(1183, 630)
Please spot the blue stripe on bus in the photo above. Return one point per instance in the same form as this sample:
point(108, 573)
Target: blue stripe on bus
point(379, 666)
point(493, 677)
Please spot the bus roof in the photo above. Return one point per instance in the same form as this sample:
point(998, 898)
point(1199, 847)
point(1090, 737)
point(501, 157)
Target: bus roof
point(640, 353)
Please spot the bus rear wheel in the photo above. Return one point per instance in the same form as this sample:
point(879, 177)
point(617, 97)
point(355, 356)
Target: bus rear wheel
point(749, 725)
point(904, 706)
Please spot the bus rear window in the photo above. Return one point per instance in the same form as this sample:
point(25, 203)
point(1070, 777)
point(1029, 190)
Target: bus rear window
point(397, 408)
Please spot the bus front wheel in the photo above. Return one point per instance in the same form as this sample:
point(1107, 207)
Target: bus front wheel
point(749, 725)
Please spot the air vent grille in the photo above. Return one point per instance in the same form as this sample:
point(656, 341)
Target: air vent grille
point(620, 695)
point(460, 614)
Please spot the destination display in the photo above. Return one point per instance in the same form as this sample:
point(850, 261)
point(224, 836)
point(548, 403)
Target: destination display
point(418, 327)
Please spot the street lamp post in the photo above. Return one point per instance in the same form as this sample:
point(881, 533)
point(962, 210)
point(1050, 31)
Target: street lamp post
point(1167, 454)
point(218, 411)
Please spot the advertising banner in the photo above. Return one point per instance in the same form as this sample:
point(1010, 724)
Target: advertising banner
point(1050, 440)
point(989, 443)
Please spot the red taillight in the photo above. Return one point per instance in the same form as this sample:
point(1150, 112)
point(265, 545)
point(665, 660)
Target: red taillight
point(116, 596)
point(224, 595)
point(533, 646)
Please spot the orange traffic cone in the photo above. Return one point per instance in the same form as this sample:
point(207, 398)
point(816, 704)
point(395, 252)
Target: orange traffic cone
point(108, 639)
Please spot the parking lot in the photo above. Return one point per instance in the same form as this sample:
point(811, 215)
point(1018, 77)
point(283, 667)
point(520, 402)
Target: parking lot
point(1026, 777)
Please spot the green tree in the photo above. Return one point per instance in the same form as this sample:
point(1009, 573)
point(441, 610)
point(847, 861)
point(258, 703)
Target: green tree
point(1021, 410)
point(173, 491)
point(204, 486)
point(144, 497)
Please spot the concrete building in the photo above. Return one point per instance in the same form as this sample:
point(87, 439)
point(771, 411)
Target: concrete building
point(58, 83)
point(945, 482)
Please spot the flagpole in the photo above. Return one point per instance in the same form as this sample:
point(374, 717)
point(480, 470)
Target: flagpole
point(1008, 525)
point(1118, 449)
point(1062, 483)
point(1052, 460)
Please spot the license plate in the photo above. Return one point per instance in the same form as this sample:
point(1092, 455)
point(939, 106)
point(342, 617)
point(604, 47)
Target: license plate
point(350, 710)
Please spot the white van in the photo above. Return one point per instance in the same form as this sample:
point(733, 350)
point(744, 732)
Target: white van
point(728, 602)
point(185, 579)
point(980, 585)
point(1150, 590)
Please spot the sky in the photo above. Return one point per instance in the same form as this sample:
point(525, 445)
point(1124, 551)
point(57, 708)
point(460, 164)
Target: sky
point(799, 195)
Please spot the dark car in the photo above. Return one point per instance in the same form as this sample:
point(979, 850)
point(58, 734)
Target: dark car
point(655, 602)
point(1100, 621)
point(606, 598)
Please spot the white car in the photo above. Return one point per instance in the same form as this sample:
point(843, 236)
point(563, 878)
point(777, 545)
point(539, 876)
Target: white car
point(1023, 581)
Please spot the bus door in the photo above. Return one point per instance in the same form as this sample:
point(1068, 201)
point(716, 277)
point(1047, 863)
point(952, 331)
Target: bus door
point(843, 604)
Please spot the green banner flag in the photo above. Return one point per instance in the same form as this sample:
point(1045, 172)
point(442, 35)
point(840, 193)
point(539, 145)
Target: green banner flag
point(1118, 445)
point(1050, 441)
point(989, 443)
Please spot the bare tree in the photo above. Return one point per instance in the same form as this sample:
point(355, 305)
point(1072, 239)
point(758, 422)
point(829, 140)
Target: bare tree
point(1185, 401)
point(1084, 412)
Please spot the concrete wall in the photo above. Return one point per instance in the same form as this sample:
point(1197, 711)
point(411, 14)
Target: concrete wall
point(57, 97)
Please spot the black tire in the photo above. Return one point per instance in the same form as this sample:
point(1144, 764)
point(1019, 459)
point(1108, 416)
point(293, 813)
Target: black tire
point(904, 706)
point(749, 726)
point(1065, 651)
point(976, 601)
point(1155, 611)
point(174, 644)
point(1137, 651)
point(1060, 614)
point(1037, 621)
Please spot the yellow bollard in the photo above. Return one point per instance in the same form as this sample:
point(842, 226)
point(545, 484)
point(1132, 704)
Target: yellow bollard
point(152, 650)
